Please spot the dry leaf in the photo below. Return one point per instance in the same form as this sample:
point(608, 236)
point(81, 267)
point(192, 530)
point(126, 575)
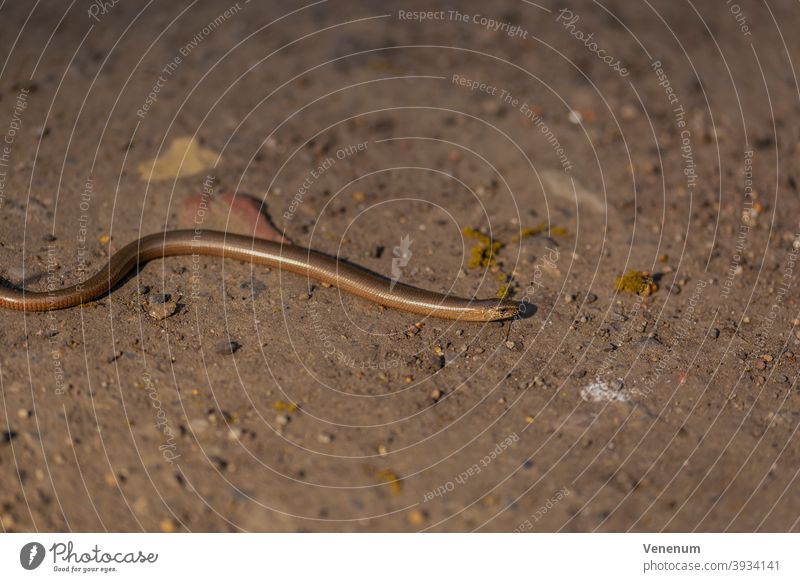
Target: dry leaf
point(184, 157)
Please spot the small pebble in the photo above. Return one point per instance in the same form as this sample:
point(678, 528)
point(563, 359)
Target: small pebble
point(161, 305)
point(591, 298)
point(24, 413)
point(140, 505)
point(221, 463)
point(510, 345)
point(163, 312)
point(412, 331)
point(417, 517)
point(282, 420)
point(325, 438)
point(783, 379)
point(715, 333)
point(648, 341)
point(228, 347)
point(198, 425)
point(628, 112)
point(761, 364)
point(490, 106)
point(436, 362)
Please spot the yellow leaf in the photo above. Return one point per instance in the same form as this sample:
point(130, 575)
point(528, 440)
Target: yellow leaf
point(184, 157)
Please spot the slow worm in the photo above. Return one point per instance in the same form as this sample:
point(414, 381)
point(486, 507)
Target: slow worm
point(295, 259)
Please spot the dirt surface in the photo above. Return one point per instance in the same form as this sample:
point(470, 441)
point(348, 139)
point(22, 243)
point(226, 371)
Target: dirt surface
point(257, 400)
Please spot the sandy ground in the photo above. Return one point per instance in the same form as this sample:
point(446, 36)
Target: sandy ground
point(253, 400)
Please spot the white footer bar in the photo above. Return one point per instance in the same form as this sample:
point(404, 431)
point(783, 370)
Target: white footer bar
point(401, 557)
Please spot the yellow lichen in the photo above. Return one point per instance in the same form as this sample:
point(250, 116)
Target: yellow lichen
point(542, 228)
point(508, 286)
point(636, 282)
point(529, 231)
point(284, 406)
point(484, 253)
point(390, 477)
